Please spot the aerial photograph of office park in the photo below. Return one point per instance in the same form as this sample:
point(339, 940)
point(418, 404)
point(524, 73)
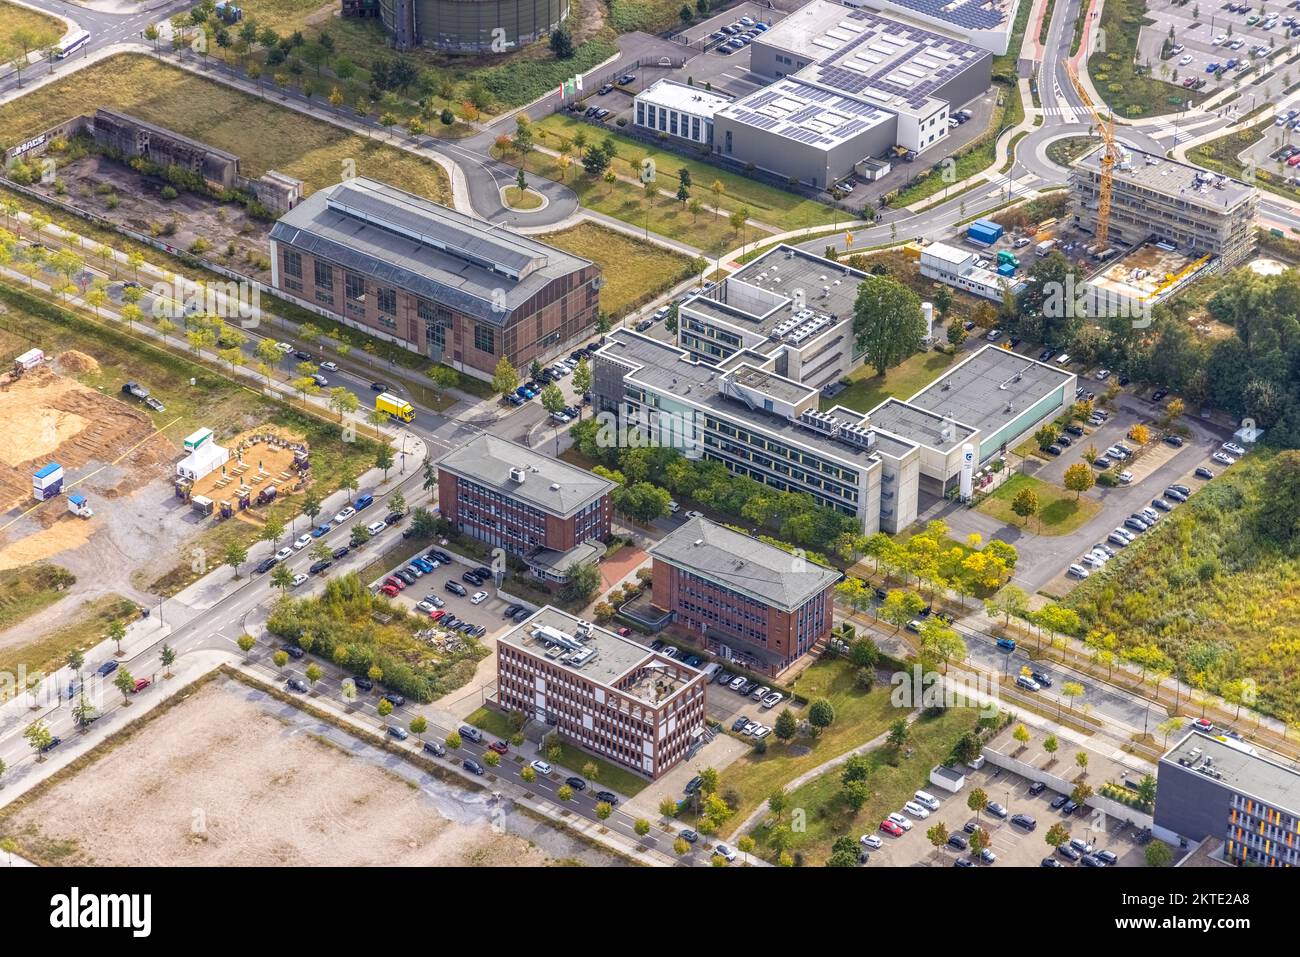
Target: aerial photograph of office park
point(650, 433)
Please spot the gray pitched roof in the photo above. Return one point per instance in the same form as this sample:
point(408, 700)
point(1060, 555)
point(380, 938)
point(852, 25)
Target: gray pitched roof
point(743, 564)
point(549, 484)
point(471, 265)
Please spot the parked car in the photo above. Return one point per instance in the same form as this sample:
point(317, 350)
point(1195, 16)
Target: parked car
point(1024, 821)
point(1204, 473)
point(472, 766)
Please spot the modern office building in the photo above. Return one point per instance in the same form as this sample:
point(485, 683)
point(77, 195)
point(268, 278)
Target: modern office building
point(1160, 200)
point(992, 400)
point(457, 289)
point(1217, 787)
point(470, 26)
point(848, 86)
point(987, 23)
point(679, 110)
point(789, 305)
point(606, 694)
point(740, 598)
point(872, 466)
point(547, 512)
point(955, 266)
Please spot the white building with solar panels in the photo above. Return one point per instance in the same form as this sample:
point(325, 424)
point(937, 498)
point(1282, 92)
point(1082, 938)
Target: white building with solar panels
point(848, 85)
point(987, 23)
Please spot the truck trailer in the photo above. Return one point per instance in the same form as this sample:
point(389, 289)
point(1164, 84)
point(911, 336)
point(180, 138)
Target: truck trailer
point(397, 408)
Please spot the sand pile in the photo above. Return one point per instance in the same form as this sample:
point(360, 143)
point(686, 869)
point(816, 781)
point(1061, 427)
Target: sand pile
point(78, 363)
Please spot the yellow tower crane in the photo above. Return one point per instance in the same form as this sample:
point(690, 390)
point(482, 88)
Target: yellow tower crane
point(1106, 127)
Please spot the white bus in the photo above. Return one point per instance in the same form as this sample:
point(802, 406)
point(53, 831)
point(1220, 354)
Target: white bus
point(71, 44)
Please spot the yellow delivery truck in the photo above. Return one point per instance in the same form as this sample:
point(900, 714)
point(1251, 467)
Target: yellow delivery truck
point(395, 407)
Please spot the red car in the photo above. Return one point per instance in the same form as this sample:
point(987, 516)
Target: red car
point(395, 582)
point(500, 747)
point(625, 632)
point(438, 614)
point(141, 684)
point(389, 590)
point(889, 827)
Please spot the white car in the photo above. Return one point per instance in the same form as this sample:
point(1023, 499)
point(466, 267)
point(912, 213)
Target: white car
point(914, 809)
point(762, 731)
point(1125, 477)
point(1078, 571)
point(1185, 59)
point(541, 767)
point(344, 515)
point(773, 699)
point(1232, 448)
point(1103, 375)
point(479, 598)
point(1223, 458)
point(330, 366)
point(673, 506)
point(301, 542)
point(1102, 553)
point(374, 528)
point(1092, 561)
point(1218, 41)
point(283, 553)
point(1125, 534)
point(298, 579)
point(871, 841)
point(901, 821)
point(283, 347)
point(694, 514)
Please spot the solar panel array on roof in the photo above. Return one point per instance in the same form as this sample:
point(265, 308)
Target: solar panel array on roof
point(965, 13)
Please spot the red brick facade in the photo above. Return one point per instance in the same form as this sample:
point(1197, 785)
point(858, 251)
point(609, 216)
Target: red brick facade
point(562, 312)
point(645, 738)
point(494, 518)
point(760, 637)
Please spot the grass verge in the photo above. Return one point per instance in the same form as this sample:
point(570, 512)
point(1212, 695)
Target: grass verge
point(1059, 511)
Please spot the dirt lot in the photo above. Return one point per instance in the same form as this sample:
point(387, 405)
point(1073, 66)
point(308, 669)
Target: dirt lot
point(118, 193)
point(237, 778)
point(53, 418)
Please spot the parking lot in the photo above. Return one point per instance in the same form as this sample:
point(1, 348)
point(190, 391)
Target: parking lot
point(1241, 44)
point(1012, 845)
point(431, 587)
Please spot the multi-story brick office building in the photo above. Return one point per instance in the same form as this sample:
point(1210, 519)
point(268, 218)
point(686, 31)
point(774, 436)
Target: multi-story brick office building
point(455, 288)
point(544, 511)
point(611, 696)
point(1223, 789)
point(744, 600)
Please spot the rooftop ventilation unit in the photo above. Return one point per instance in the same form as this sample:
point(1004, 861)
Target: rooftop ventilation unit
point(518, 475)
point(555, 486)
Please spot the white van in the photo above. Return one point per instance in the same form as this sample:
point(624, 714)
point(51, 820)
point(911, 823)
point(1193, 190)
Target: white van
point(927, 800)
point(1063, 359)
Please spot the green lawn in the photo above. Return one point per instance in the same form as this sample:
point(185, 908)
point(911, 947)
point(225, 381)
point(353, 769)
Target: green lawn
point(46, 652)
point(607, 775)
point(25, 591)
point(767, 204)
point(15, 19)
point(493, 722)
point(264, 135)
point(867, 390)
point(859, 717)
point(892, 785)
point(635, 271)
point(1059, 511)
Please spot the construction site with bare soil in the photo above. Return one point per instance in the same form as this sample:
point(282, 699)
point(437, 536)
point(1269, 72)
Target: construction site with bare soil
point(104, 447)
point(119, 462)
